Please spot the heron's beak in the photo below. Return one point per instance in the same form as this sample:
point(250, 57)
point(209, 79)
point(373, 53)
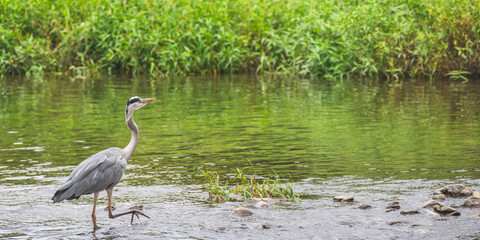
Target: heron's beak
point(147, 100)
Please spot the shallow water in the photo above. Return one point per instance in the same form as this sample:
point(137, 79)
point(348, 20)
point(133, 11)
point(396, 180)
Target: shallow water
point(177, 212)
point(378, 141)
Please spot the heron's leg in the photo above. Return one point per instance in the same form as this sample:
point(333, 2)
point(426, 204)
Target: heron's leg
point(94, 217)
point(111, 215)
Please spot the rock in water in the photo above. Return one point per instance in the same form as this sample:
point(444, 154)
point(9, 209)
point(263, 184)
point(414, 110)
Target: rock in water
point(364, 206)
point(137, 207)
point(263, 226)
point(242, 212)
point(262, 204)
point(242, 226)
point(440, 196)
point(456, 190)
point(476, 194)
point(253, 201)
point(397, 223)
point(113, 208)
point(446, 210)
point(440, 209)
point(413, 212)
point(393, 206)
point(466, 192)
point(472, 202)
point(343, 199)
point(431, 203)
point(432, 213)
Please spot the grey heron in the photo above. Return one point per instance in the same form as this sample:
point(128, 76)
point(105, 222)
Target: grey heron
point(103, 170)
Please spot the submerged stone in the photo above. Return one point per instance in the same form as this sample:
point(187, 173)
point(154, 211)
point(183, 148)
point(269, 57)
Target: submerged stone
point(242, 212)
point(137, 207)
point(412, 212)
point(262, 204)
point(113, 208)
point(241, 226)
point(346, 223)
point(255, 200)
point(397, 223)
point(263, 226)
point(393, 206)
point(364, 206)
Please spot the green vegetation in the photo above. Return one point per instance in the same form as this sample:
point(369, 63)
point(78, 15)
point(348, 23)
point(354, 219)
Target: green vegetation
point(332, 38)
point(12, 235)
point(247, 187)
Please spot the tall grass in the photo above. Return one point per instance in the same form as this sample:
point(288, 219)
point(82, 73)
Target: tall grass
point(329, 38)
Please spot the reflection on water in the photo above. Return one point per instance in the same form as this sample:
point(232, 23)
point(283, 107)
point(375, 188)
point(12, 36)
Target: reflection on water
point(378, 141)
point(296, 127)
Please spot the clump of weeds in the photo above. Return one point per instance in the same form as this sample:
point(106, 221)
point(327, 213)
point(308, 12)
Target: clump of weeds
point(248, 186)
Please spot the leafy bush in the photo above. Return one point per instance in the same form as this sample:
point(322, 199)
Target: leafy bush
point(328, 38)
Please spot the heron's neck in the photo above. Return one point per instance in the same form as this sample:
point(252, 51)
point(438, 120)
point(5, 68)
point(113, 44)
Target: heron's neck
point(128, 150)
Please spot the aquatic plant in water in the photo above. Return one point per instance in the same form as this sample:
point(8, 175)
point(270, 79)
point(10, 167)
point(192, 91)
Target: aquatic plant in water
point(248, 186)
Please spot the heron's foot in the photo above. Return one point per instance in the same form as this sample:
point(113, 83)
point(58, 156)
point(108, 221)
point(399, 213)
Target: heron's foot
point(95, 227)
point(137, 214)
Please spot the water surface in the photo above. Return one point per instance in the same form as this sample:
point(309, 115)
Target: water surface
point(414, 134)
point(301, 128)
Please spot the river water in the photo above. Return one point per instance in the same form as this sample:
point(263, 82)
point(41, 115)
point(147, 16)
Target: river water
point(377, 141)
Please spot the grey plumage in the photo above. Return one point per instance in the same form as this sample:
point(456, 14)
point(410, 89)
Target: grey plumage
point(96, 173)
point(103, 170)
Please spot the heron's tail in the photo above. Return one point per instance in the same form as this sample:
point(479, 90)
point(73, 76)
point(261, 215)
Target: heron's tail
point(64, 193)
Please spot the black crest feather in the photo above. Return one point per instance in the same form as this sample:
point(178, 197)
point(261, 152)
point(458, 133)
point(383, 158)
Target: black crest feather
point(131, 101)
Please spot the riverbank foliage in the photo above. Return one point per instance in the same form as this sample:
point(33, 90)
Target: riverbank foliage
point(331, 38)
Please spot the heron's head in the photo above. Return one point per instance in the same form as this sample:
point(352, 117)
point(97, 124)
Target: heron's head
point(135, 103)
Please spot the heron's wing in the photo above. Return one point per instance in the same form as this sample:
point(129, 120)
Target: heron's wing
point(96, 173)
